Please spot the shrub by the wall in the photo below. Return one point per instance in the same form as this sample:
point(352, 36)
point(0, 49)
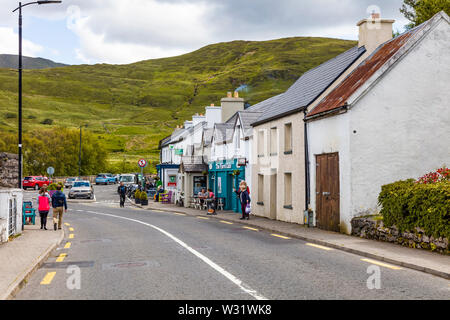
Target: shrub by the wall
point(407, 205)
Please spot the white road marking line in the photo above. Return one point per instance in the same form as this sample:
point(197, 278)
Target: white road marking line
point(205, 259)
point(390, 266)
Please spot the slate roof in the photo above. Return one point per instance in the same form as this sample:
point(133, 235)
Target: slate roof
point(223, 132)
point(207, 136)
point(384, 55)
point(309, 86)
point(247, 118)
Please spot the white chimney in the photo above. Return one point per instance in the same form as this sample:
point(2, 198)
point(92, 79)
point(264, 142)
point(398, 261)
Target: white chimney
point(374, 31)
point(187, 124)
point(197, 119)
point(213, 115)
point(231, 105)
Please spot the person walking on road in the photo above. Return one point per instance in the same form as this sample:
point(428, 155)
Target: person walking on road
point(43, 201)
point(59, 205)
point(244, 198)
point(122, 193)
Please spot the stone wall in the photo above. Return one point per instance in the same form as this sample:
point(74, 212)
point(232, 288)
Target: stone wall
point(369, 228)
point(9, 171)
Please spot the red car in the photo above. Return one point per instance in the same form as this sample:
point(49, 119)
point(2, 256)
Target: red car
point(35, 182)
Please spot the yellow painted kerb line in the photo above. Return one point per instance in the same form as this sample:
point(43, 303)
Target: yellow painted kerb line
point(279, 236)
point(71, 229)
point(61, 257)
point(48, 278)
point(67, 224)
point(204, 218)
point(67, 246)
point(319, 246)
point(226, 222)
point(71, 236)
point(390, 266)
point(253, 229)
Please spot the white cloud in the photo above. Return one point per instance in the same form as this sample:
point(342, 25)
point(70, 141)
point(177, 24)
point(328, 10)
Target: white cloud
point(119, 33)
point(9, 44)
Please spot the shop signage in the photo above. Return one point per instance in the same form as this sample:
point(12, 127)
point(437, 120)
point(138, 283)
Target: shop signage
point(224, 166)
point(179, 152)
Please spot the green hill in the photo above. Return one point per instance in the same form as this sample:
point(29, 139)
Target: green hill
point(131, 107)
point(11, 61)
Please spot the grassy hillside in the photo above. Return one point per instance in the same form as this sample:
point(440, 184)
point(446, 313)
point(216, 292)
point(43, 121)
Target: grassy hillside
point(131, 107)
point(11, 61)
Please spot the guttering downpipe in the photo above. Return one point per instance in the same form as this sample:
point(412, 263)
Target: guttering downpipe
point(307, 185)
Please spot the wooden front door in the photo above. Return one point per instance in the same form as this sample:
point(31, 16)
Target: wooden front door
point(327, 191)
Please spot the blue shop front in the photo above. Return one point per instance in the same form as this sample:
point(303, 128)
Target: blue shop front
point(223, 176)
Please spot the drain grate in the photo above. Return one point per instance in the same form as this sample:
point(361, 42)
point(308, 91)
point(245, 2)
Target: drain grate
point(130, 265)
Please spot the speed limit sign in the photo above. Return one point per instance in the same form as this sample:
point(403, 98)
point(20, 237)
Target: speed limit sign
point(142, 163)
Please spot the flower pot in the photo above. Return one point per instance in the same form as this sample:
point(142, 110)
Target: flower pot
point(137, 201)
point(144, 202)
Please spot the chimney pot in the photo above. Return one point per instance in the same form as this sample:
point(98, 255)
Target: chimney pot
point(229, 95)
point(212, 104)
point(236, 94)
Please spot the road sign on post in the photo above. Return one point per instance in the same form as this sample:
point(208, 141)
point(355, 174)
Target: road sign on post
point(142, 163)
point(50, 170)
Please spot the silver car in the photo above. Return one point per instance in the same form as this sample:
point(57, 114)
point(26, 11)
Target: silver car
point(81, 190)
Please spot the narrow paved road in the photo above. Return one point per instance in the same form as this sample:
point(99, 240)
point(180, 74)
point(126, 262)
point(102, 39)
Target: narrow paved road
point(139, 254)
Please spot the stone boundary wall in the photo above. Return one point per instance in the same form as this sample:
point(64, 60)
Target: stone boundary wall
point(369, 228)
point(9, 170)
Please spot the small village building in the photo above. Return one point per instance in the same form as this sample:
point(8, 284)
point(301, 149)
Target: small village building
point(388, 120)
point(11, 197)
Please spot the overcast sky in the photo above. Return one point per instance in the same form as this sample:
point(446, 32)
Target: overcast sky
point(125, 31)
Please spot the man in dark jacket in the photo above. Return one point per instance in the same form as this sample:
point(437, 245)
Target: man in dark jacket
point(122, 190)
point(59, 205)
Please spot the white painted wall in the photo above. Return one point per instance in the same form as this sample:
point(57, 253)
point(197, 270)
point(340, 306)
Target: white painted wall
point(402, 128)
point(405, 119)
point(330, 135)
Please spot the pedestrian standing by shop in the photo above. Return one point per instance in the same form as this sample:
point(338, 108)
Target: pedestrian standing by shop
point(43, 201)
point(59, 205)
point(244, 198)
point(211, 203)
point(122, 192)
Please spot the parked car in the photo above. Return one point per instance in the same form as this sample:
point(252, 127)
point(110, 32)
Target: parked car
point(127, 179)
point(81, 189)
point(69, 182)
point(35, 182)
point(105, 178)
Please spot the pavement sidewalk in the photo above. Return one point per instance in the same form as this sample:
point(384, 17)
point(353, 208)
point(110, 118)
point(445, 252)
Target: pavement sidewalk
point(20, 257)
point(421, 260)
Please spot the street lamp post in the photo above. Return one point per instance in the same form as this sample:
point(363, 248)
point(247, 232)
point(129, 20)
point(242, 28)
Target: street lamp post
point(20, 80)
point(79, 154)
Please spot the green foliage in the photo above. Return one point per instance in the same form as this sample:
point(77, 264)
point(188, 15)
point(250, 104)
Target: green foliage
point(131, 107)
point(407, 205)
point(419, 11)
point(52, 186)
point(137, 194)
point(144, 196)
point(58, 148)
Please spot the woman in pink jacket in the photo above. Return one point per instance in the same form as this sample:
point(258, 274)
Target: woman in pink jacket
point(44, 201)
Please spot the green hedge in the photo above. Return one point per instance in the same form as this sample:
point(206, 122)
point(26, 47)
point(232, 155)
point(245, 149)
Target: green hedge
point(407, 205)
